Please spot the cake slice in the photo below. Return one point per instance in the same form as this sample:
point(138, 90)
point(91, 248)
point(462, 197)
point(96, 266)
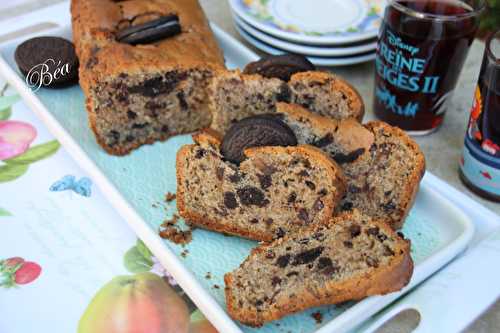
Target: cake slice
point(141, 92)
point(273, 192)
point(235, 96)
point(348, 258)
point(382, 164)
point(326, 94)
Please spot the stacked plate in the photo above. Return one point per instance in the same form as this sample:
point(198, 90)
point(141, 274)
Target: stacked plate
point(328, 32)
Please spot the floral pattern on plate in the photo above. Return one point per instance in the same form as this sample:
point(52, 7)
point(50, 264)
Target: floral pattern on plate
point(16, 137)
point(370, 20)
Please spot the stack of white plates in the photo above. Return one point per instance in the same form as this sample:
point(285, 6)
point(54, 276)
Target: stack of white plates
point(328, 32)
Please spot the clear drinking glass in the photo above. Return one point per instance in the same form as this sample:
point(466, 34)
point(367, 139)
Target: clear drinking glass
point(422, 47)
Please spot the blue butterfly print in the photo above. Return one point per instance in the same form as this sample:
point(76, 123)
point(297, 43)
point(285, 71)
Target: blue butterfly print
point(68, 182)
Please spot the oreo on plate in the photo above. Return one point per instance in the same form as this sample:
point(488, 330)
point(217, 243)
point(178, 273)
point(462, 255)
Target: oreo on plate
point(149, 32)
point(256, 131)
point(47, 61)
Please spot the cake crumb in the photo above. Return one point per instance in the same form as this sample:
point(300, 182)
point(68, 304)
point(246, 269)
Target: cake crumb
point(208, 276)
point(169, 197)
point(216, 286)
point(184, 253)
point(318, 317)
point(171, 231)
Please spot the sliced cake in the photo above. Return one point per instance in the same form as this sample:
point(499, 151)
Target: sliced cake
point(348, 258)
point(142, 80)
point(235, 96)
point(272, 192)
point(382, 164)
point(326, 94)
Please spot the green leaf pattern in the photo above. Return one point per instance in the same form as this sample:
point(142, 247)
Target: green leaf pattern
point(17, 166)
point(14, 168)
point(143, 249)
point(10, 172)
point(135, 262)
point(36, 153)
point(4, 212)
point(138, 259)
point(6, 103)
point(5, 113)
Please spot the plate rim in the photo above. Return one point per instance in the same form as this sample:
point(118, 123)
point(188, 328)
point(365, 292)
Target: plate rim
point(327, 62)
point(294, 37)
point(303, 49)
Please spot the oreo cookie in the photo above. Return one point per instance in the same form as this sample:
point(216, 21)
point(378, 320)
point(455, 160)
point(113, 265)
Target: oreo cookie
point(256, 131)
point(47, 61)
point(280, 66)
point(149, 32)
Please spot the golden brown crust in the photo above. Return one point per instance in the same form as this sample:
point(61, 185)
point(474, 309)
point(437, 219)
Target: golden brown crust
point(212, 138)
point(355, 101)
point(352, 135)
point(209, 136)
point(96, 21)
point(413, 183)
point(378, 281)
point(101, 57)
point(219, 122)
point(332, 83)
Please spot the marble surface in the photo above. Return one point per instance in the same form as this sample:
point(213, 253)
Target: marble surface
point(442, 149)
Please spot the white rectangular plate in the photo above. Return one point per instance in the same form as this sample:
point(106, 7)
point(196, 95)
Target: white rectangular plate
point(134, 184)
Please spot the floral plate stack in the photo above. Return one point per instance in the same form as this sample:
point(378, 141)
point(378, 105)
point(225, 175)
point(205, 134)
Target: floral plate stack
point(328, 32)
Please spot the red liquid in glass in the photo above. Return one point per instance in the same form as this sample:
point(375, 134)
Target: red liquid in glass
point(419, 61)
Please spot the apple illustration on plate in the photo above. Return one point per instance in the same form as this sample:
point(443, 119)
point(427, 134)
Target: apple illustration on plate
point(140, 303)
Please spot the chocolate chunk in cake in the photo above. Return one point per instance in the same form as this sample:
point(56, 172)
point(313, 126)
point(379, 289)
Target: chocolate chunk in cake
point(139, 93)
point(254, 199)
point(319, 271)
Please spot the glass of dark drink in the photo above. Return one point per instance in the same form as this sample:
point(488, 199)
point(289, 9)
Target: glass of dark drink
point(422, 47)
point(480, 163)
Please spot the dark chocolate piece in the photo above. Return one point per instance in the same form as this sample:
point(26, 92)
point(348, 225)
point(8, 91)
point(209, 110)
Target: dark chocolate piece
point(341, 158)
point(307, 256)
point(252, 196)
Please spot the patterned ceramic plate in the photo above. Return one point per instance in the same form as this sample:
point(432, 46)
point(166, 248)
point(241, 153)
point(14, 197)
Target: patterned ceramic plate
point(318, 61)
point(317, 22)
point(308, 50)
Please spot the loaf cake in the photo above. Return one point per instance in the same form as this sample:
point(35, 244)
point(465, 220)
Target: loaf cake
point(234, 96)
point(348, 258)
point(383, 166)
point(137, 94)
point(274, 191)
